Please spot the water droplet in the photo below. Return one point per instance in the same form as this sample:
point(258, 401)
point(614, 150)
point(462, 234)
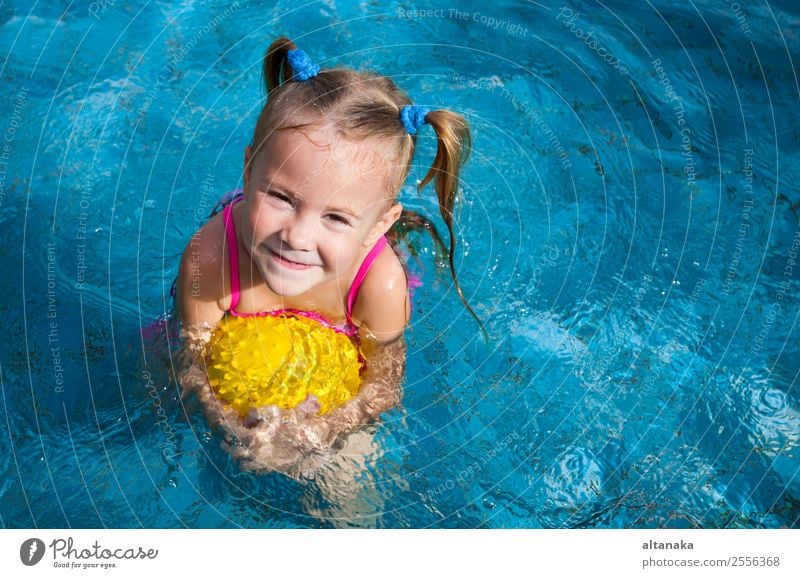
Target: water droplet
point(488, 502)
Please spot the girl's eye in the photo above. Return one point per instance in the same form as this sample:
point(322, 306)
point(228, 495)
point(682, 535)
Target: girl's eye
point(339, 219)
point(280, 197)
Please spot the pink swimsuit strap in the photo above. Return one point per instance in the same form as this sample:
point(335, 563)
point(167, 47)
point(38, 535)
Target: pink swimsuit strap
point(352, 294)
point(233, 254)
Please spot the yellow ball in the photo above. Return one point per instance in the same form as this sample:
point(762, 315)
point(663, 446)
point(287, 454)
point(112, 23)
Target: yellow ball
point(280, 360)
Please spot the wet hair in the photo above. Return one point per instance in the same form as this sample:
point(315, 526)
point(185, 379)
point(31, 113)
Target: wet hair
point(364, 106)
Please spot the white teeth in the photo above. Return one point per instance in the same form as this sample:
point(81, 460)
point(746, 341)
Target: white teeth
point(293, 261)
point(285, 258)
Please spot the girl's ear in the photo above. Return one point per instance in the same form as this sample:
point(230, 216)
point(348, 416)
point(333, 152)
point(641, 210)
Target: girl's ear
point(385, 222)
point(248, 156)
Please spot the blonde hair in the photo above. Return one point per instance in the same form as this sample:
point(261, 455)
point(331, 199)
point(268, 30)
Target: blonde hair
point(366, 106)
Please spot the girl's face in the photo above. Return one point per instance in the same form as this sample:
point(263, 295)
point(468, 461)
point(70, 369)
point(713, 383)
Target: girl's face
point(312, 208)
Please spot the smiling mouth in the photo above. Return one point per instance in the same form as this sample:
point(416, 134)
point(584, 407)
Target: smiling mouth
point(286, 262)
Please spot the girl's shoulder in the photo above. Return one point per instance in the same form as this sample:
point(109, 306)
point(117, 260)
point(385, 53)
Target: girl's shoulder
point(202, 283)
point(383, 305)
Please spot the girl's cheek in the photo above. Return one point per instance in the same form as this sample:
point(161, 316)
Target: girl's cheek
point(260, 222)
point(345, 253)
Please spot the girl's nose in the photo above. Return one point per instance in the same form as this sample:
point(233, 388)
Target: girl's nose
point(298, 234)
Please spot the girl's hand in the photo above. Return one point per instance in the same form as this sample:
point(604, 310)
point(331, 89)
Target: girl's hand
point(264, 449)
point(274, 439)
point(309, 430)
point(315, 433)
point(261, 416)
point(309, 406)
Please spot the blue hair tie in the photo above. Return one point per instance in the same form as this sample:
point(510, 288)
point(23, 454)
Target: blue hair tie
point(303, 67)
point(413, 117)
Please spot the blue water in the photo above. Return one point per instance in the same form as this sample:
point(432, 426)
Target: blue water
point(626, 233)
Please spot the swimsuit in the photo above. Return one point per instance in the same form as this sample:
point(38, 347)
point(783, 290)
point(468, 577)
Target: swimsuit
point(347, 328)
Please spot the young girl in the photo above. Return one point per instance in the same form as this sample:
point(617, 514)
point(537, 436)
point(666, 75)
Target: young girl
point(313, 234)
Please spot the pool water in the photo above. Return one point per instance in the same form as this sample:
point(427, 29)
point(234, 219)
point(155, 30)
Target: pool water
point(629, 234)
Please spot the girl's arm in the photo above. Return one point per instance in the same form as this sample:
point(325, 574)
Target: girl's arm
point(381, 391)
point(199, 293)
point(201, 277)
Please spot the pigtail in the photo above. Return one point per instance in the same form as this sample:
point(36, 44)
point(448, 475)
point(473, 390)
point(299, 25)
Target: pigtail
point(276, 64)
point(454, 147)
